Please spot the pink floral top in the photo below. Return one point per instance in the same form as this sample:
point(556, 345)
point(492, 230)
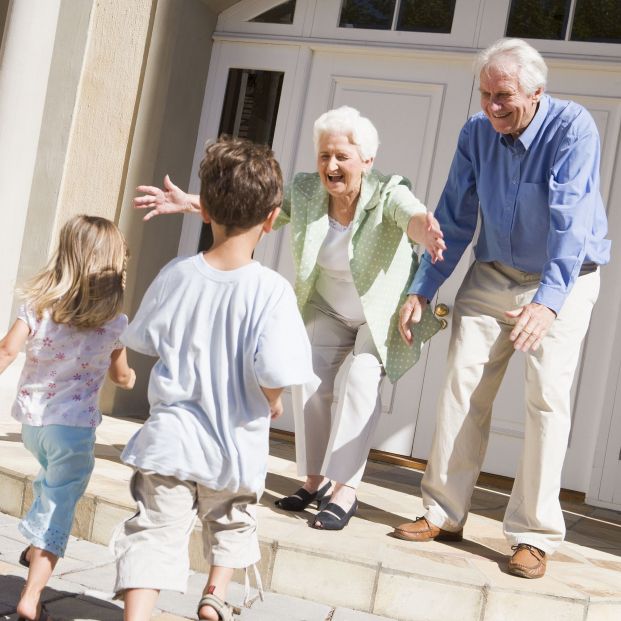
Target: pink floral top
point(64, 370)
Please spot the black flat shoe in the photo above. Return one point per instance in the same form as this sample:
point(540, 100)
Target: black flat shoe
point(23, 557)
point(301, 499)
point(334, 517)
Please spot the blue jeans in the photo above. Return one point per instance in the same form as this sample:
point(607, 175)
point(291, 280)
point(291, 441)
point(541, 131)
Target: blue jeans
point(67, 459)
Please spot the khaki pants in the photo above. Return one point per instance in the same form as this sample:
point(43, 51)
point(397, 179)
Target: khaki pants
point(151, 548)
point(336, 444)
point(479, 353)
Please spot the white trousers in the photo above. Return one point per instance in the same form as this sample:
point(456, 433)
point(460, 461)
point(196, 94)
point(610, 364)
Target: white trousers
point(336, 443)
point(479, 353)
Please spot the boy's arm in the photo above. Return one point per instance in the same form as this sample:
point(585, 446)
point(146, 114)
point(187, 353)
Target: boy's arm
point(119, 371)
point(12, 343)
point(273, 398)
point(171, 199)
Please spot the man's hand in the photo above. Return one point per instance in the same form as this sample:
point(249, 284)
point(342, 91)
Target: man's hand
point(411, 312)
point(533, 322)
point(169, 200)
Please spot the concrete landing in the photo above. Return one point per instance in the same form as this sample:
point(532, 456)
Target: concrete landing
point(361, 567)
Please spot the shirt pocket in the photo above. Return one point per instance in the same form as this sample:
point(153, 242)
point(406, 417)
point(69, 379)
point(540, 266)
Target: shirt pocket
point(533, 214)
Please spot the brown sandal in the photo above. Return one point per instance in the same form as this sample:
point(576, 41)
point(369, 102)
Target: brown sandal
point(224, 611)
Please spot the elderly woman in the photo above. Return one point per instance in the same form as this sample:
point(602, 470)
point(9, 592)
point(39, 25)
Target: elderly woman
point(350, 228)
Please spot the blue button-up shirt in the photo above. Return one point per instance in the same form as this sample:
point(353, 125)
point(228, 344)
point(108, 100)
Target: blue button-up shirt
point(538, 196)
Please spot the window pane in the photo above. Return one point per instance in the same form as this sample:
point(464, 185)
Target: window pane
point(251, 104)
point(538, 19)
point(376, 14)
point(426, 15)
point(281, 14)
point(249, 111)
point(597, 20)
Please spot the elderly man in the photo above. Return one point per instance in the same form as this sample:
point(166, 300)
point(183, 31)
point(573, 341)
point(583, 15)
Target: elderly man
point(529, 165)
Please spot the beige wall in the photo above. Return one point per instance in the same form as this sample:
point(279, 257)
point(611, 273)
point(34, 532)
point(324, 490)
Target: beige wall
point(25, 60)
point(164, 141)
point(87, 118)
point(62, 90)
point(96, 97)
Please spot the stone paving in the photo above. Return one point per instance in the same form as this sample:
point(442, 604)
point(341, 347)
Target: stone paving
point(359, 569)
point(81, 589)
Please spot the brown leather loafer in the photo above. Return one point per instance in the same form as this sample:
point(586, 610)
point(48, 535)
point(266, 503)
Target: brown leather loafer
point(527, 561)
point(422, 530)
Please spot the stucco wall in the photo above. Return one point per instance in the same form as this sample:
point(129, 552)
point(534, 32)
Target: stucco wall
point(163, 142)
point(62, 90)
point(105, 109)
point(24, 71)
point(66, 137)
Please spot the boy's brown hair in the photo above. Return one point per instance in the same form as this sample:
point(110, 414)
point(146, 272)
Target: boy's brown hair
point(241, 183)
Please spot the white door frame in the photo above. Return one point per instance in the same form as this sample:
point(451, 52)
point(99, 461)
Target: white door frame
point(289, 58)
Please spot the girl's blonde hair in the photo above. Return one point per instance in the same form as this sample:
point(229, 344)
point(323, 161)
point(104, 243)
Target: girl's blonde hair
point(84, 281)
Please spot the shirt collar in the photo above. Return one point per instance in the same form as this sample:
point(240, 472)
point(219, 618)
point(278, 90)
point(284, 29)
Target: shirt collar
point(526, 139)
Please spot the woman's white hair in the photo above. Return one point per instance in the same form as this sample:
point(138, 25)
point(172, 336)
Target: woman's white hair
point(349, 122)
point(508, 54)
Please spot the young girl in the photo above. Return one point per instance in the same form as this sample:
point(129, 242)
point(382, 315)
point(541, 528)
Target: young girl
point(70, 324)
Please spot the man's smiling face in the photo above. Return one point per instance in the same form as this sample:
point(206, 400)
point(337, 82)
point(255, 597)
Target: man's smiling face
point(505, 103)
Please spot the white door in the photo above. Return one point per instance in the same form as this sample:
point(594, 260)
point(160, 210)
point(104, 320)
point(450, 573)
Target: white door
point(417, 103)
point(599, 90)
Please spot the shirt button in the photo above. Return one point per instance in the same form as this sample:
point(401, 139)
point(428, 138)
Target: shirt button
point(514, 181)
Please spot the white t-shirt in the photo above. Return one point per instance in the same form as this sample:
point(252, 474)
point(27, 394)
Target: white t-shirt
point(335, 283)
point(219, 335)
point(64, 369)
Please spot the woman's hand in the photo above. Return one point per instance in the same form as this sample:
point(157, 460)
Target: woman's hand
point(169, 200)
point(424, 229)
point(411, 312)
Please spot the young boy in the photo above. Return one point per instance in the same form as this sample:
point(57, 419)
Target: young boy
point(229, 336)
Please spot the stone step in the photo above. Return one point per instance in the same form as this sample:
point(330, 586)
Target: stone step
point(362, 567)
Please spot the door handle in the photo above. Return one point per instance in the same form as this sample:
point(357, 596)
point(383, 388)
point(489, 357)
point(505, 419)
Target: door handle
point(441, 311)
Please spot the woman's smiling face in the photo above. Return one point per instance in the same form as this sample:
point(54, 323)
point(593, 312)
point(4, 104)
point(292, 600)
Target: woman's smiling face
point(504, 101)
point(340, 166)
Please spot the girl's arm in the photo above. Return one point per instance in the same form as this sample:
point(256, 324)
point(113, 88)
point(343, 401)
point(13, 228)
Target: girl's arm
point(121, 374)
point(12, 343)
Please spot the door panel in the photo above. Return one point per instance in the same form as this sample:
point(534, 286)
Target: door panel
point(417, 104)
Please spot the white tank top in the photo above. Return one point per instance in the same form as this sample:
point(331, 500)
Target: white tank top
point(335, 283)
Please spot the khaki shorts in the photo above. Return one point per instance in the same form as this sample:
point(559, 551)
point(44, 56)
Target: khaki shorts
point(151, 548)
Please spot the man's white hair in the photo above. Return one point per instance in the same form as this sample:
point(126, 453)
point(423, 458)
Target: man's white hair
point(348, 122)
point(508, 54)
